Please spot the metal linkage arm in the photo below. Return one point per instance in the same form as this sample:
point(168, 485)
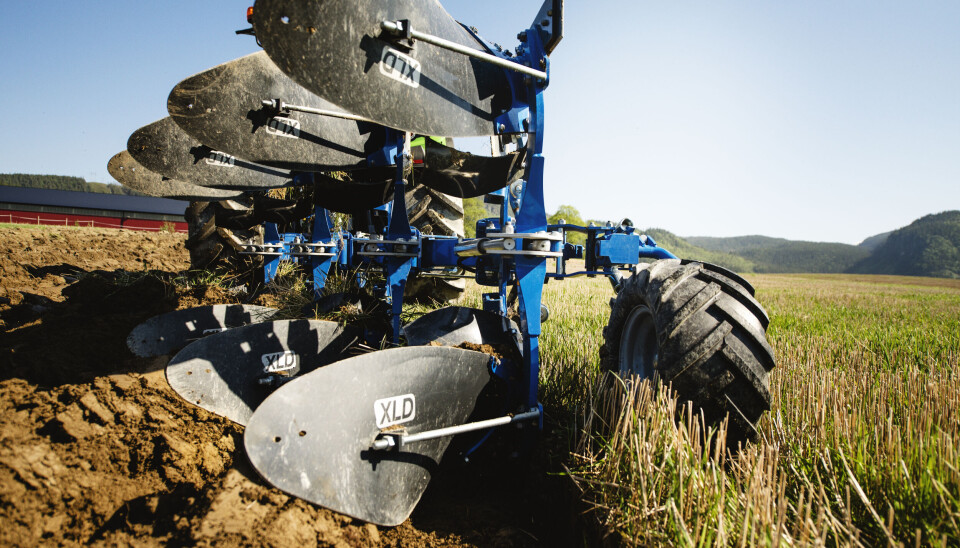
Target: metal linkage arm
point(403, 29)
point(388, 440)
point(280, 105)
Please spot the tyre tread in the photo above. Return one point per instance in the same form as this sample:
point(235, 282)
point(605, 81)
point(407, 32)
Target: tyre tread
point(712, 332)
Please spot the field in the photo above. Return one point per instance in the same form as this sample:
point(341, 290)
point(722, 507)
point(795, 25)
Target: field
point(860, 446)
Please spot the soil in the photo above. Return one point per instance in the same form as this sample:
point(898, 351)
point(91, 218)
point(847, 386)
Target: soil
point(96, 448)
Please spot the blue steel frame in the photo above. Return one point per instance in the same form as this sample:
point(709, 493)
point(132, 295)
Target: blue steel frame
point(608, 249)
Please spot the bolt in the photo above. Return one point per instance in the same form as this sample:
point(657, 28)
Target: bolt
point(501, 128)
point(522, 36)
point(545, 22)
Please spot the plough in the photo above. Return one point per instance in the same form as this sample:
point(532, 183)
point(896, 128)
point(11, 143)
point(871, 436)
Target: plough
point(352, 86)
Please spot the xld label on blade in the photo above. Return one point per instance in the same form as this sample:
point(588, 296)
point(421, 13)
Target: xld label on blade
point(222, 159)
point(395, 410)
point(400, 67)
point(281, 362)
point(214, 330)
point(284, 127)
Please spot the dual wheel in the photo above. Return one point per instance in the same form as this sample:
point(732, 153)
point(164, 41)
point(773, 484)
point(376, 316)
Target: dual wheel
point(698, 327)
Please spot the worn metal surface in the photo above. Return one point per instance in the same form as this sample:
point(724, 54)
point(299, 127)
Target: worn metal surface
point(334, 49)
point(132, 175)
point(167, 333)
point(222, 108)
point(351, 196)
point(453, 325)
point(222, 373)
point(312, 437)
point(466, 175)
point(168, 150)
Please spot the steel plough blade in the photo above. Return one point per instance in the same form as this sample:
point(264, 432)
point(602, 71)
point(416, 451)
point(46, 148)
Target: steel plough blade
point(231, 372)
point(167, 333)
point(454, 325)
point(132, 175)
point(312, 437)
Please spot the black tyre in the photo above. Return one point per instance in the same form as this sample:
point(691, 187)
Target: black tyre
point(433, 212)
point(214, 247)
point(697, 326)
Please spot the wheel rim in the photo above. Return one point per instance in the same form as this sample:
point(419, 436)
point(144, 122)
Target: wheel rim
point(638, 344)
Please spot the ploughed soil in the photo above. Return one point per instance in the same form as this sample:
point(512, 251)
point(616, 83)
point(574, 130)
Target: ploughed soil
point(96, 448)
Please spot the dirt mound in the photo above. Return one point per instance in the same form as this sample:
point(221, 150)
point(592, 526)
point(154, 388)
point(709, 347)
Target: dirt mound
point(96, 448)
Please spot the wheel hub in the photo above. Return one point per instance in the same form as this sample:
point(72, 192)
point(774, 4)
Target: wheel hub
point(639, 346)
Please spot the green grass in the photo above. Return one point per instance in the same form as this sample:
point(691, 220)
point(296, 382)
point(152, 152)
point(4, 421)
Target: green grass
point(860, 447)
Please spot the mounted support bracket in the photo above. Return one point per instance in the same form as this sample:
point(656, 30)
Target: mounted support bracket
point(280, 106)
point(401, 29)
point(396, 440)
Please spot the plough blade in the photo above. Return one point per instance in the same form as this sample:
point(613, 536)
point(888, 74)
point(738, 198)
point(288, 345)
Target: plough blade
point(265, 210)
point(168, 150)
point(455, 325)
point(352, 196)
point(167, 333)
point(232, 372)
point(223, 108)
point(132, 175)
point(312, 438)
point(337, 50)
point(467, 175)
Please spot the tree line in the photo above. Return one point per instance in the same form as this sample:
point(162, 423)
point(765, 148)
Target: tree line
point(61, 182)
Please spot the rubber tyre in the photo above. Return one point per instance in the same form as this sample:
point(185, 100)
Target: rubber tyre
point(217, 248)
point(433, 212)
point(710, 337)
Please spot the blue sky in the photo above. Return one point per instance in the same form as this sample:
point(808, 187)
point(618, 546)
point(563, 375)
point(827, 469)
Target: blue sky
point(815, 120)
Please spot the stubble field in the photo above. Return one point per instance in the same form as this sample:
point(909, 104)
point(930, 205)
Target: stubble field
point(860, 446)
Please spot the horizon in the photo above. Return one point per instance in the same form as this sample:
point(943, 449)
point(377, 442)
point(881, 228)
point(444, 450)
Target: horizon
point(685, 237)
point(812, 122)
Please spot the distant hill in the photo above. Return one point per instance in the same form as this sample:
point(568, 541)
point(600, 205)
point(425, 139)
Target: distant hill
point(929, 246)
point(874, 242)
point(777, 255)
point(795, 256)
point(736, 244)
point(62, 182)
point(686, 250)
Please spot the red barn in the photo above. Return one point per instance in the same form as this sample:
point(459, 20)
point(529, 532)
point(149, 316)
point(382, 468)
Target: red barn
point(66, 208)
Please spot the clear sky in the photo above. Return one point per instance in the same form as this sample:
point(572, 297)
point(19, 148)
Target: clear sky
point(816, 120)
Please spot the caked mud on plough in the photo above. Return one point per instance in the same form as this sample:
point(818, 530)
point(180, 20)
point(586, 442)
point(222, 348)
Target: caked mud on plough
point(357, 88)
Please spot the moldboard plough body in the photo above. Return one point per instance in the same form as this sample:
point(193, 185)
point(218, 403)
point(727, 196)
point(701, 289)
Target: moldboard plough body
point(352, 86)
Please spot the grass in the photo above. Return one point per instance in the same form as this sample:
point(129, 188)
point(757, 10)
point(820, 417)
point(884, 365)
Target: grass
point(860, 447)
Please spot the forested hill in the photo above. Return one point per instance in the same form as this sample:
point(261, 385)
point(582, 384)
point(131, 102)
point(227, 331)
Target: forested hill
point(874, 241)
point(929, 246)
point(61, 182)
point(777, 255)
point(736, 244)
point(686, 250)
